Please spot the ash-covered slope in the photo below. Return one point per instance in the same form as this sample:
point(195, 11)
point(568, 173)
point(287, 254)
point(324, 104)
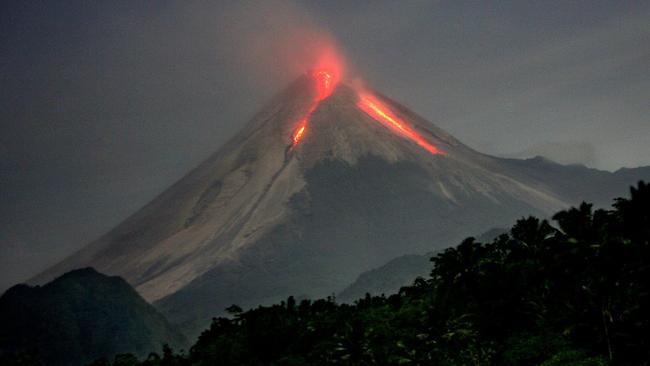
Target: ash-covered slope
point(315, 190)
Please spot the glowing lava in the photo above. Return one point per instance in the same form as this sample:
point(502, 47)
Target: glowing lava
point(297, 135)
point(324, 82)
point(372, 107)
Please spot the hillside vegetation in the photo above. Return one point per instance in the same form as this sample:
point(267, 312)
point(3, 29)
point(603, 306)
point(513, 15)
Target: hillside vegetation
point(77, 318)
point(573, 293)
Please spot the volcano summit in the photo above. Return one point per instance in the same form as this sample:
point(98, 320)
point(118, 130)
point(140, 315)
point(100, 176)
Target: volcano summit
point(327, 181)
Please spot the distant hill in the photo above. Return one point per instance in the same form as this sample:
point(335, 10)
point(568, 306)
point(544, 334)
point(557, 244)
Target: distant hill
point(399, 272)
point(79, 317)
point(389, 278)
point(577, 182)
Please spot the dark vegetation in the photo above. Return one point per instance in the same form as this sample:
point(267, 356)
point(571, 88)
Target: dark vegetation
point(77, 318)
point(576, 293)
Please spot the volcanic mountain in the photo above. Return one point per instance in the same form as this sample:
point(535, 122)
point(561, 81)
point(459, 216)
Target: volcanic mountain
point(327, 181)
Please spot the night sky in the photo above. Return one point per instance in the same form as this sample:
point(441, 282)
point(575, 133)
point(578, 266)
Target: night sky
point(105, 104)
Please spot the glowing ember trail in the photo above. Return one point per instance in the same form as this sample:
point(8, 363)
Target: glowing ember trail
point(324, 84)
point(301, 130)
point(383, 115)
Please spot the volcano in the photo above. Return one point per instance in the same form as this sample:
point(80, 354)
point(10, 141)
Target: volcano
point(327, 181)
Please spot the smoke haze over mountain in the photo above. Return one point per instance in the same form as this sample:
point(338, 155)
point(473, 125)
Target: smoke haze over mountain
point(106, 104)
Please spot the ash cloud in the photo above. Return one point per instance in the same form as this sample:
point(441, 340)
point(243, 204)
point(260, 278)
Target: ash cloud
point(278, 41)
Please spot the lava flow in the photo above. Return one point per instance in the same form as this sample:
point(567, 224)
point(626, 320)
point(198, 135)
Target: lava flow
point(297, 135)
point(383, 115)
point(324, 82)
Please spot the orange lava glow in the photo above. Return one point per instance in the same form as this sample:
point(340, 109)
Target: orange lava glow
point(297, 134)
point(372, 107)
point(324, 83)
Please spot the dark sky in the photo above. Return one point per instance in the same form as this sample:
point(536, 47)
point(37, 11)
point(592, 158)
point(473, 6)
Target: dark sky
point(105, 104)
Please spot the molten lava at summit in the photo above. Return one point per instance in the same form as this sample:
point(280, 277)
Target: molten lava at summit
point(380, 113)
point(324, 83)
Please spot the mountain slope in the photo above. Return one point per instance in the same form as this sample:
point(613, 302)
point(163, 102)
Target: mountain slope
point(577, 181)
point(79, 317)
point(398, 272)
point(315, 190)
point(388, 278)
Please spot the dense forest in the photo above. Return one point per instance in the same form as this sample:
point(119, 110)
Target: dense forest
point(575, 292)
